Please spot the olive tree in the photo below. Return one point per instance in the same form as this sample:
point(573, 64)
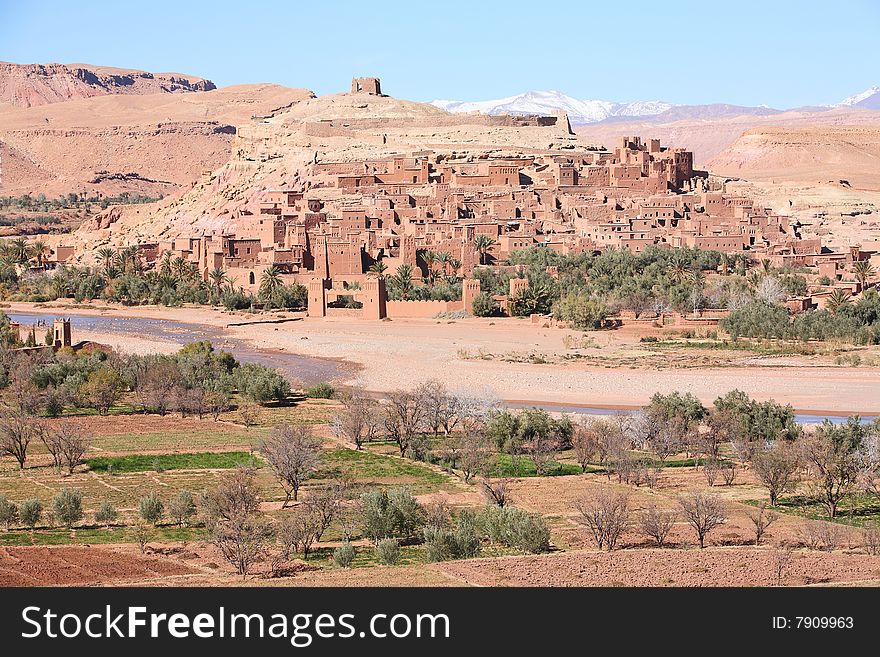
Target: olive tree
point(67, 505)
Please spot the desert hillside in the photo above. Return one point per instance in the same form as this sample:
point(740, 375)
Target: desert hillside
point(153, 144)
point(847, 154)
point(30, 85)
point(279, 151)
point(709, 137)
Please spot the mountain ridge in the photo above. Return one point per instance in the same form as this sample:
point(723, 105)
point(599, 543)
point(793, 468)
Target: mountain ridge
point(586, 112)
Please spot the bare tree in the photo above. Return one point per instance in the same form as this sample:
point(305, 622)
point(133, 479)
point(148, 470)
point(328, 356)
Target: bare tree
point(606, 514)
point(762, 518)
point(703, 512)
point(231, 511)
point(820, 535)
point(443, 410)
point(776, 467)
point(52, 441)
point(613, 441)
point(781, 562)
point(242, 541)
point(657, 524)
point(586, 442)
point(358, 421)
point(665, 435)
point(155, 382)
point(871, 538)
point(474, 454)
point(298, 531)
point(728, 472)
point(405, 416)
point(236, 495)
point(325, 504)
point(141, 535)
point(17, 430)
point(711, 470)
point(497, 491)
point(72, 445)
point(248, 415)
point(293, 453)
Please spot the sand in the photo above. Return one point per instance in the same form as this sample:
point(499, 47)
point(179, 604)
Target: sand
point(402, 353)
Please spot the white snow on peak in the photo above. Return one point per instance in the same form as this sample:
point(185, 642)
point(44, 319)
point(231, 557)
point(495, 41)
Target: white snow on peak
point(546, 102)
point(857, 98)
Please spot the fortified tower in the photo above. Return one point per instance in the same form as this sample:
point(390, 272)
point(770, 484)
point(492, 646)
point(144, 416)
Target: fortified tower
point(366, 86)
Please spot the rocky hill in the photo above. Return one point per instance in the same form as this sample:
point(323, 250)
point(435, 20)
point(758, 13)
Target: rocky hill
point(845, 154)
point(279, 152)
point(154, 144)
point(31, 85)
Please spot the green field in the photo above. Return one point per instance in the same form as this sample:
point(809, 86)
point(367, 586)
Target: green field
point(370, 467)
point(162, 462)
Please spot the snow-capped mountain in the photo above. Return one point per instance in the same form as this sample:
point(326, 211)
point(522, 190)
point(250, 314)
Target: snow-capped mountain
point(545, 102)
point(868, 99)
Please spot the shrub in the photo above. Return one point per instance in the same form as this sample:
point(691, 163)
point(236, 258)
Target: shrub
point(388, 552)
point(460, 542)
point(67, 505)
point(515, 528)
point(527, 531)
point(261, 384)
point(151, 508)
point(394, 513)
point(106, 514)
point(321, 391)
point(182, 508)
point(8, 512)
point(484, 305)
point(30, 512)
point(343, 556)
point(581, 311)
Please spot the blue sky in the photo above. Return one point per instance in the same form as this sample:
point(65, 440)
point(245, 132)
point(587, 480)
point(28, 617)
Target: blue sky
point(779, 52)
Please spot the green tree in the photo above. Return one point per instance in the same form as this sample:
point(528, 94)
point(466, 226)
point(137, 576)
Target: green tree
point(67, 505)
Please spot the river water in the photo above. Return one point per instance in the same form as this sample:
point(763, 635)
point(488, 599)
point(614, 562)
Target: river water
point(301, 370)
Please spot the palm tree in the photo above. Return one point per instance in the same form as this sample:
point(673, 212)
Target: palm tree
point(107, 256)
point(401, 282)
point(454, 265)
point(724, 262)
point(837, 300)
point(443, 259)
point(378, 269)
point(178, 268)
point(218, 278)
point(429, 258)
point(131, 259)
point(39, 249)
point(165, 265)
point(863, 270)
point(19, 250)
point(59, 286)
point(482, 243)
point(270, 282)
point(679, 271)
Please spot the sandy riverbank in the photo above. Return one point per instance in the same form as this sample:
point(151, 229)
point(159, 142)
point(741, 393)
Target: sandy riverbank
point(401, 353)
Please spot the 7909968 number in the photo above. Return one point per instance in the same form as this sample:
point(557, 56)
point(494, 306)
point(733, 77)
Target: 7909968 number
point(823, 622)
